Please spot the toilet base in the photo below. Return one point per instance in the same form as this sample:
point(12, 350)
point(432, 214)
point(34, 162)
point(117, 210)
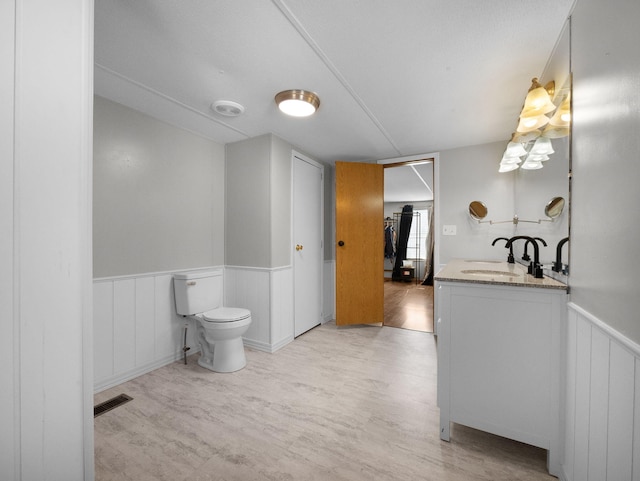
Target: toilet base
point(225, 355)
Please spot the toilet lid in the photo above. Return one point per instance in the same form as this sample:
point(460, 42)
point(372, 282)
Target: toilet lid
point(226, 314)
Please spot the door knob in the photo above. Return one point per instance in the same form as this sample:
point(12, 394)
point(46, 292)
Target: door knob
point(340, 243)
point(299, 247)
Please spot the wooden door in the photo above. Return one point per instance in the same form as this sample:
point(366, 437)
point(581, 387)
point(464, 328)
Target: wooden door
point(360, 243)
point(307, 238)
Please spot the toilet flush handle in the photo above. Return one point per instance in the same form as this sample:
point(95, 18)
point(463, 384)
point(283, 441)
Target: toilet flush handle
point(191, 283)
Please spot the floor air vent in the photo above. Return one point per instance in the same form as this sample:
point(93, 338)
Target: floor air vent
point(112, 403)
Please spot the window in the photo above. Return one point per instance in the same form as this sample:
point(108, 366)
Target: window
point(416, 247)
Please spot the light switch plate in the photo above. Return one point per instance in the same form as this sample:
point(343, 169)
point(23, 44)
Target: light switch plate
point(448, 230)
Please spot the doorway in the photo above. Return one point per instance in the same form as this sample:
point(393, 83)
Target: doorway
point(409, 247)
point(308, 178)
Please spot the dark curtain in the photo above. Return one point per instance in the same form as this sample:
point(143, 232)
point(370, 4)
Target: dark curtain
point(403, 239)
point(428, 267)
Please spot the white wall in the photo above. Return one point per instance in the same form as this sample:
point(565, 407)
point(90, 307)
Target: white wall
point(46, 425)
point(248, 206)
point(9, 404)
point(158, 195)
point(605, 232)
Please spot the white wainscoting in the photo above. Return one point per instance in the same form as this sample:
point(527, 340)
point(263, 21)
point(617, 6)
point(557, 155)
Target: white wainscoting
point(329, 291)
point(137, 330)
point(268, 293)
point(602, 436)
point(135, 327)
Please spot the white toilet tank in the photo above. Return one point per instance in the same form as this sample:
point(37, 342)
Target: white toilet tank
point(198, 291)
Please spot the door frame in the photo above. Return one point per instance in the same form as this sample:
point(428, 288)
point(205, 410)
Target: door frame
point(435, 157)
point(319, 165)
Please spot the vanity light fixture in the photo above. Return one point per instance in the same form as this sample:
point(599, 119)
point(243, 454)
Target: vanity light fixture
point(535, 129)
point(297, 103)
point(559, 124)
point(538, 101)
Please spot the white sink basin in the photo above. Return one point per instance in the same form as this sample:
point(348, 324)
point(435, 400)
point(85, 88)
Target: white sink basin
point(490, 273)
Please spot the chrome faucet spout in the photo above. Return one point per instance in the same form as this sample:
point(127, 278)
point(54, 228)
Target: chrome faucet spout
point(510, 258)
point(557, 265)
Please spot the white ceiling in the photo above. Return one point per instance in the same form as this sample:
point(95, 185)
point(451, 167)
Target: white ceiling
point(408, 183)
point(395, 78)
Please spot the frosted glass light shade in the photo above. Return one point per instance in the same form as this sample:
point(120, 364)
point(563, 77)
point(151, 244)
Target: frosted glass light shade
point(532, 165)
point(527, 124)
point(514, 149)
point(542, 146)
point(507, 168)
point(537, 101)
point(525, 137)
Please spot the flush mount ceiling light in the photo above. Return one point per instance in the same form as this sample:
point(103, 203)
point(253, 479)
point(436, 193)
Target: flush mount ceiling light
point(227, 108)
point(298, 103)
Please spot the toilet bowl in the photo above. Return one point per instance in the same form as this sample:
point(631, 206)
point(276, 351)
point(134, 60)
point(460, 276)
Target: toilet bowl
point(219, 329)
point(220, 338)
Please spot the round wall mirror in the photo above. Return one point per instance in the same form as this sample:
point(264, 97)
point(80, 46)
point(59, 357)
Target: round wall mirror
point(554, 208)
point(478, 210)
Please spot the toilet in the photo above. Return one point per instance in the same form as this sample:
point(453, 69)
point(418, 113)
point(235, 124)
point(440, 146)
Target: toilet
point(219, 329)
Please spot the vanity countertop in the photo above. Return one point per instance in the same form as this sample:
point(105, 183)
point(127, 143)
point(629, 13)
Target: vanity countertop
point(494, 272)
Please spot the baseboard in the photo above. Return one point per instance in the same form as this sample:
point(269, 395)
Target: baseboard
point(138, 371)
point(266, 347)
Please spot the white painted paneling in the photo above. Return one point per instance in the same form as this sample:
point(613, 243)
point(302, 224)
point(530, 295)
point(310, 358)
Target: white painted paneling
point(602, 434)
point(329, 291)
point(124, 325)
point(621, 401)
point(102, 330)
point(636, 423)
point(583, 375)
point(599, 405)
point(145, 320)
point(249, 288)
point(137, 329)
point(570, 393)
point(268, 294)
point(282, 324)
point(167, 331)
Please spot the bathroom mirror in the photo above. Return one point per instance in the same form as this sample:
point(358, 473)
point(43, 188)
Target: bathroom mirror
point(548, 188)
point(478, 210)
point(554, 207)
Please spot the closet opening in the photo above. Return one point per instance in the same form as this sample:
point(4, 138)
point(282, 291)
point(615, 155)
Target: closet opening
point(409, 245)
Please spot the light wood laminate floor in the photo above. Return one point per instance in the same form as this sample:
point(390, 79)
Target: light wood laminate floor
point(336, 404)
point(408, 305)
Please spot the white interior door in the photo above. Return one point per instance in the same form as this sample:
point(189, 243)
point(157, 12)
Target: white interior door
point(307, 243)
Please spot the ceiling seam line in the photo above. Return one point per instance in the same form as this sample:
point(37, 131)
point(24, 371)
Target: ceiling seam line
point(421, 178)
point(170, 99)
point(332, 68)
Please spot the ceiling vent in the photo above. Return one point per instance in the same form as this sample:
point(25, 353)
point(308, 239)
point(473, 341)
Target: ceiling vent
point(227, 108)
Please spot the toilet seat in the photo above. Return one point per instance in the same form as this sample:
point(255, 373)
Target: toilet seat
point(226, 314)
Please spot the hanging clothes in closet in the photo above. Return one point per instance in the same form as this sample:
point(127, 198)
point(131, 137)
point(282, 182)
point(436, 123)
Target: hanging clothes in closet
point(389, 239)
point(403, 239)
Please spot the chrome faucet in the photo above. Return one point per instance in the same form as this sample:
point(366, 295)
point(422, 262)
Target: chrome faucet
point(510, 258)
point(557, 265)
point(525, 256)
point(535, 269)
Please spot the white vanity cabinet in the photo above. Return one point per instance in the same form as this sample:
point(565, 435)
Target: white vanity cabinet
point(499, 360)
